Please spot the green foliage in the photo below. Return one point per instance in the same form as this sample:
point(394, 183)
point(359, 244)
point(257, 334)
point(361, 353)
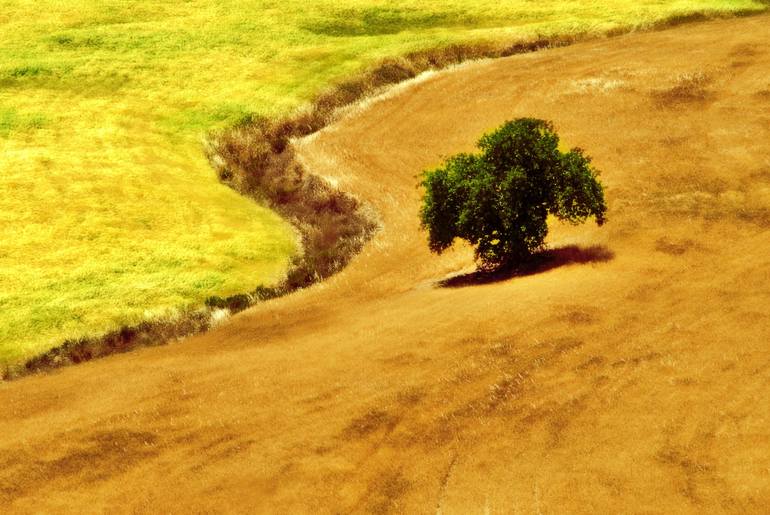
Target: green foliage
point(499, 199)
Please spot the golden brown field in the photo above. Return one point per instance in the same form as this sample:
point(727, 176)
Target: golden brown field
point(628, 375)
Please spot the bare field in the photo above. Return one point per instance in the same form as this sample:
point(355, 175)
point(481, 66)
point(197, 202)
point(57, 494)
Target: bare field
point(629, 374)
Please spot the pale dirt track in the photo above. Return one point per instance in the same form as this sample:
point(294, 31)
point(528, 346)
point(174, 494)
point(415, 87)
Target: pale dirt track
point(634, 384)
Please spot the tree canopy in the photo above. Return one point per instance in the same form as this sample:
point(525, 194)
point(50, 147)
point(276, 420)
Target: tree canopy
point(499, 199)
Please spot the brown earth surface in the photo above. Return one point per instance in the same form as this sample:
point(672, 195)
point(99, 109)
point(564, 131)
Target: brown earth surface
point(628, 374)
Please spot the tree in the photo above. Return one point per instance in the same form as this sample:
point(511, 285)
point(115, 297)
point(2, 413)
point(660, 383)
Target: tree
point(499, 199)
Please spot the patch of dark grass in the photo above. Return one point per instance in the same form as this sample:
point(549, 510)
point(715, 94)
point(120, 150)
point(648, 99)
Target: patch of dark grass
point(28, 71)
point(674, 248)
point(369, 423)
point(757, 216)
point(687, 89)
point(380, 21)
point(681, 19)
point(144, 334)
point(706, 15)
point(23, 74)
point(745, 50)
point(11, 121)
point(63, 77)
point(8, 121)
point(70, 42)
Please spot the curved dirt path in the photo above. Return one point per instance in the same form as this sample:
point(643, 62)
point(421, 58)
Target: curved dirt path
point(631, 375)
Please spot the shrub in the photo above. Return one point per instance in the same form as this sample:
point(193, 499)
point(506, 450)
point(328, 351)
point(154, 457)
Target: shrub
point(499, 199)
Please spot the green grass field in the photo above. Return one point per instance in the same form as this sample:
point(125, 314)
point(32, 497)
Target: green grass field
point(109, 212)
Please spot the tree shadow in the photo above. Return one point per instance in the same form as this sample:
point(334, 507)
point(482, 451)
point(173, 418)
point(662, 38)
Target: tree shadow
point(539, 263)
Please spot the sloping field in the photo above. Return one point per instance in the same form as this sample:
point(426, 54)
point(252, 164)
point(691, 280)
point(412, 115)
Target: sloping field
point(629, 374)
point(109, 212)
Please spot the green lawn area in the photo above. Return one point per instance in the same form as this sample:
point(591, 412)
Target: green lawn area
point(109, 212)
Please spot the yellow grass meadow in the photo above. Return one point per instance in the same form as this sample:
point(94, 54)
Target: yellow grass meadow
point(109, 212)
